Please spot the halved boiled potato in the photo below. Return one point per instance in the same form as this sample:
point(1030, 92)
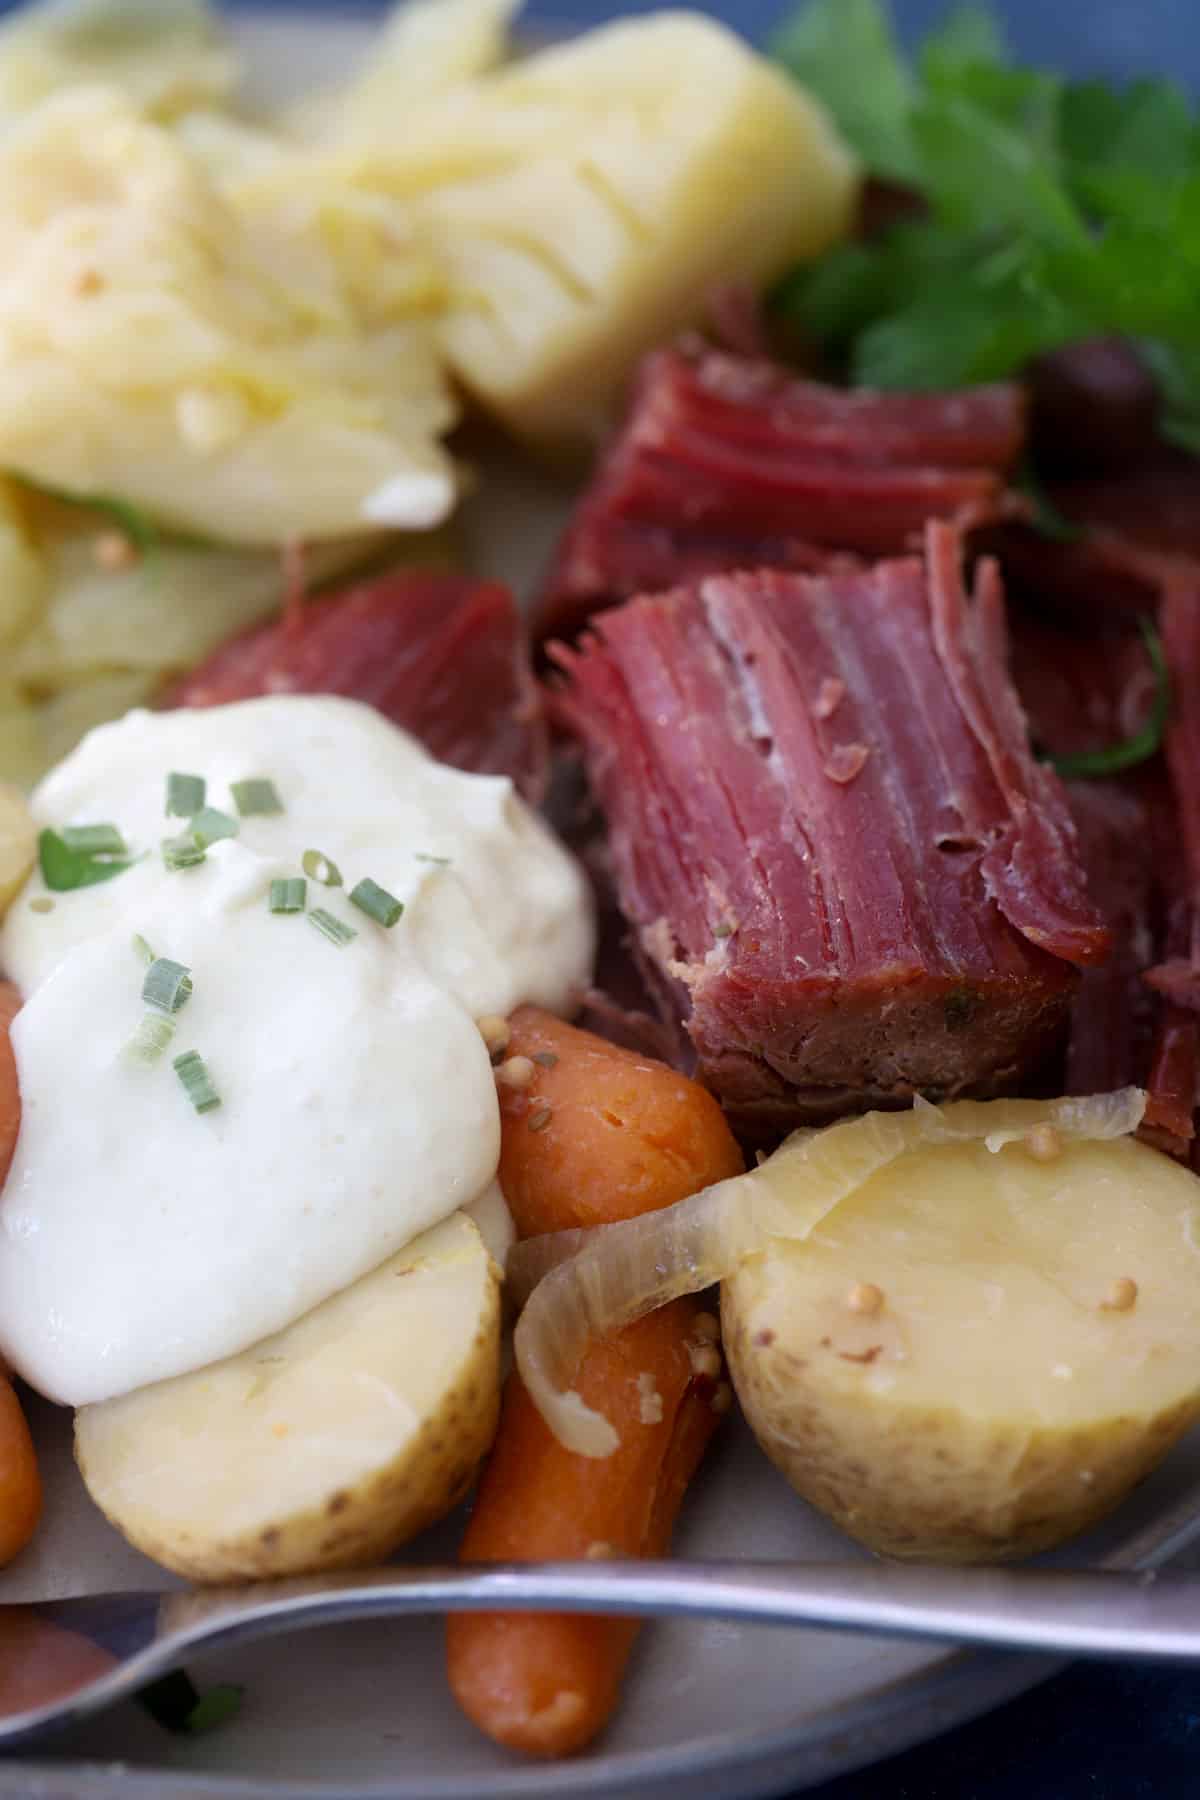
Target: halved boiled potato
point(323, 1447)
point(977, 1353)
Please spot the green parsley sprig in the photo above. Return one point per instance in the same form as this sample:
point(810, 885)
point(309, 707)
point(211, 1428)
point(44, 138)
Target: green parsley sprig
point(1057, 210)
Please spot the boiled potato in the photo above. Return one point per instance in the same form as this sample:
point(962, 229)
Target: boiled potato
point(583, 201)
point(166, 55)
point(323, 1447)
point(425, 46)
point(209, 371)
point(25, 577)
point(168, 609)
point(77, 708)
point(22, 743)
point(18, 845)
point(977, 1353)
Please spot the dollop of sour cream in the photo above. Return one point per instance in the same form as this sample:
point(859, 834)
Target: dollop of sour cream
point(140, 1239)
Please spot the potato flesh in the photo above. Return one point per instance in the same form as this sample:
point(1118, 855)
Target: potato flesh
point(584, 201)
point(324, 1446)
point(998, 1399)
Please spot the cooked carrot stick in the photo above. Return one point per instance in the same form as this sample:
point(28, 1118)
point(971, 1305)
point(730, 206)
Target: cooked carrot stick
point(599, 1133)
point(590, 1134)
point(10, 1093)
point(546, 1683)
point(20, 1484)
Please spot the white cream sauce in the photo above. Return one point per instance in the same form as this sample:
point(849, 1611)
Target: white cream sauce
point(139, 1239)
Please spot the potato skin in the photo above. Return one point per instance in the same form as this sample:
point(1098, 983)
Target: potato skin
point(353, 1525)
point(356, 1527)
point(926, 1484)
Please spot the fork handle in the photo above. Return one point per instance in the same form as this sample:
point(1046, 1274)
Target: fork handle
point(1094, 1613)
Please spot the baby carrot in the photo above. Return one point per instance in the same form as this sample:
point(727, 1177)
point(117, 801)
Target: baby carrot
point(590, 1133)
point(597, 1133)
point(20, 1483)
point(546, 1683)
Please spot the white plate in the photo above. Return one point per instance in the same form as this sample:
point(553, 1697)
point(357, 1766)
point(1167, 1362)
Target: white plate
point(710, 1710)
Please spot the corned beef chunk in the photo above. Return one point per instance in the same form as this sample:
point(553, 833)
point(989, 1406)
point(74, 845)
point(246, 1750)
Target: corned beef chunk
point(843, 869)
point(1094, 406)
point(1131, 531)
point(729, 462)
point(1178, 977)
point(1085, 694)
point(443, 655)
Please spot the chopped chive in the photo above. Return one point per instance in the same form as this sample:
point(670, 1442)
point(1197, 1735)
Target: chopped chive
point(142, 948)
point(255, 795)
point(151, 1038)
point(443, 862)
point(318, 867)
point(289, 895)
point(182, 852)
point(1147, 742)
point(175, 1702)
point(196, 1081)
point(216, 1707)
point(94, 840)
point(332, 928)
point(210, 825)
point(65, 867)
point(377, 903)
point(185, 795)
point(168, 985)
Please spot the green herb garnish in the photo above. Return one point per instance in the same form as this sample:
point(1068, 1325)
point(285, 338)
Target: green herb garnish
point(168, 985)
point(377, 903)
point(151, 1038)
point(175, 1703)
point(65, 866)
point(182, 852)
point(289, 895)
point(334, 929)
point(196, 1081)
point(442, 862)
point(256, 795)
point(318, 867)
point(94, 840)
point(1057, 210)
point(186, 795)
point(1146, 743)
point(142, 948)
point(216, 1707)
point(210, 825)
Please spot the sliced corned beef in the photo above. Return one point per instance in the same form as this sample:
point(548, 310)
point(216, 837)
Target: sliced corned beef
point(729, 462)
point(842, 866)
point(443, 655)
point(1132, 531)
point(1179, 617)
point(1085, 694)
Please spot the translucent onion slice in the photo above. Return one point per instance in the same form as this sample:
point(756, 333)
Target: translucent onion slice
point(583, 1285)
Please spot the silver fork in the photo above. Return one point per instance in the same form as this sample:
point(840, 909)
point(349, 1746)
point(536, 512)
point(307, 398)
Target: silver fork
point(1080, 1612)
